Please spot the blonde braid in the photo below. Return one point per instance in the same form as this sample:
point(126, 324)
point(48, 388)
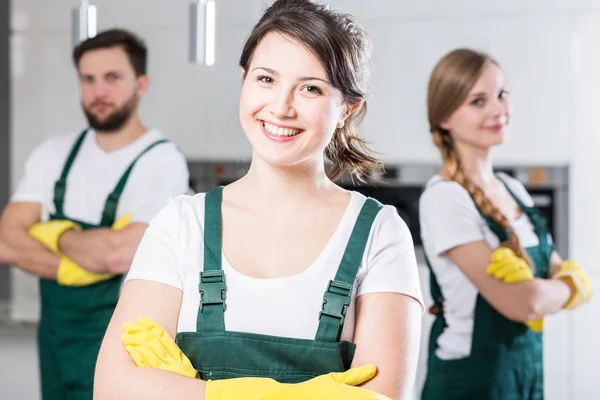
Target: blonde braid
point(443, 142)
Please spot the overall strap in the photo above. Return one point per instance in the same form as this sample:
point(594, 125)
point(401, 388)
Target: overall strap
point(339, 291)
point(60, 187)
point(212, 287)
point(437, 308)
point(110, 206)
point(540, 225)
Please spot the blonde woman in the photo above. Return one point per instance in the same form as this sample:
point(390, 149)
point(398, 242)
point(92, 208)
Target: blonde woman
point(494, 271)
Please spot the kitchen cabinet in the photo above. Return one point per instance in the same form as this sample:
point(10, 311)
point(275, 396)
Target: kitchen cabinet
point(56, 15)
point(438, 9)
point(532, 53)
point(197, 106)
point(45, 95)
point(584, 218)
point(536, 55)
point(586, 6)
point(35, 15)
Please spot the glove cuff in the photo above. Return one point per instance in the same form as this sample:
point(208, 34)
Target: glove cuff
point(62, 275)
point(61, 228)
point(579, 294)
point(71, 274)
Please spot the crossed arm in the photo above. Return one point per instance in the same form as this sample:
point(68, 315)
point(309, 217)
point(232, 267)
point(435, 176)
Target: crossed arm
point(520, 302)
point(97, 250)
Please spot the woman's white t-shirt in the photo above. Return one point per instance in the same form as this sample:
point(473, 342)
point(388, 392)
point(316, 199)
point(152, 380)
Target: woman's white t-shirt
point(171, 252)
point(449, 218)
point(160, 174)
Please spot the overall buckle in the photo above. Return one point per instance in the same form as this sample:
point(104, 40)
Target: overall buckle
point(212, 289)
point(336, 300)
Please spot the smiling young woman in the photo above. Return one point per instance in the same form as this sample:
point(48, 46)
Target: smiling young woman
point(297, 277)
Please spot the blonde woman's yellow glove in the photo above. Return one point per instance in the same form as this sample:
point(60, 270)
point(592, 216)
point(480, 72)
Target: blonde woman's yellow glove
point(150, 346)
point(537, 325)
point(578, 280)
point(507, 266)
point(333, 386)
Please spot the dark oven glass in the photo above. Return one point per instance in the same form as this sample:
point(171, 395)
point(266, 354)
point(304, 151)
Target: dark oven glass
point(543, 199)
point(404, 198)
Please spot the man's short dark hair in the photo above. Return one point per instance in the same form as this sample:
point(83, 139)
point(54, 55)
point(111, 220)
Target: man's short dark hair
point(133, 45)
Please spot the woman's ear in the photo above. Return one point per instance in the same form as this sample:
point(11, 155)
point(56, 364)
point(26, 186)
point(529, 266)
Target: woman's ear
point(445, 125)
point(350, 109)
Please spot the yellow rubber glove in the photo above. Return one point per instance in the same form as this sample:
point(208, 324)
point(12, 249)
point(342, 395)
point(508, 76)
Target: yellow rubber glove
point(578, 280)
point(506, 266)
point(333, 386)
point(151, 346)
point(510, 268)
point(71, 274)
point(536, 325)
point(49, 232)
point(121, 223)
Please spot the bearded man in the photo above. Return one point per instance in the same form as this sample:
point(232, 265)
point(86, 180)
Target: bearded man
point(82, 206)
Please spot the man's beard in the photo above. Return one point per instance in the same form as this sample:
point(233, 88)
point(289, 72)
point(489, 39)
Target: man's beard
point(115, 120)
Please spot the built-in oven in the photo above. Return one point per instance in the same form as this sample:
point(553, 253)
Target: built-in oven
point(405, 198)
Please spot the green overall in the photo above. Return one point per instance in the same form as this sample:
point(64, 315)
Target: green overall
point(74, 319)
point(506, 357)
point(220, 354)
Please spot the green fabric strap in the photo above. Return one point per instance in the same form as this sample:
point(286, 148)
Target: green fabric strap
point(533, 214)
point(212, 287)
point(110, 206)
point(60, 187)
point(338, 295)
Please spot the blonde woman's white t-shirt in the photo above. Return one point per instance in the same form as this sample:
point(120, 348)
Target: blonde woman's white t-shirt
point(449, 218)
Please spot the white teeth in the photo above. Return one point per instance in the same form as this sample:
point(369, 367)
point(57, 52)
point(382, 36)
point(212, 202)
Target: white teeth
point(273, 130)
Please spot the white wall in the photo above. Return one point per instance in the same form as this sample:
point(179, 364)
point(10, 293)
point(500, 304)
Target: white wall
point(549, 48)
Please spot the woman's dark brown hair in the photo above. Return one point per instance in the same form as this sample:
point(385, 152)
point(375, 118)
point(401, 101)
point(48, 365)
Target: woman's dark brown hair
point(343, 48)
point(449, 85)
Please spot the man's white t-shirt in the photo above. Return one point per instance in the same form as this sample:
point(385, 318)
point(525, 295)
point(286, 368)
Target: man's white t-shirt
point(449, 218)
point(159, 175)
point(171, 253)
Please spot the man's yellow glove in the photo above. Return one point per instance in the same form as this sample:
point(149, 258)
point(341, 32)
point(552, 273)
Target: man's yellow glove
point(49, 232)
point(121, 223)
point(507, 266)
point(151, 346)
point(578, 280)
point(69, 273)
